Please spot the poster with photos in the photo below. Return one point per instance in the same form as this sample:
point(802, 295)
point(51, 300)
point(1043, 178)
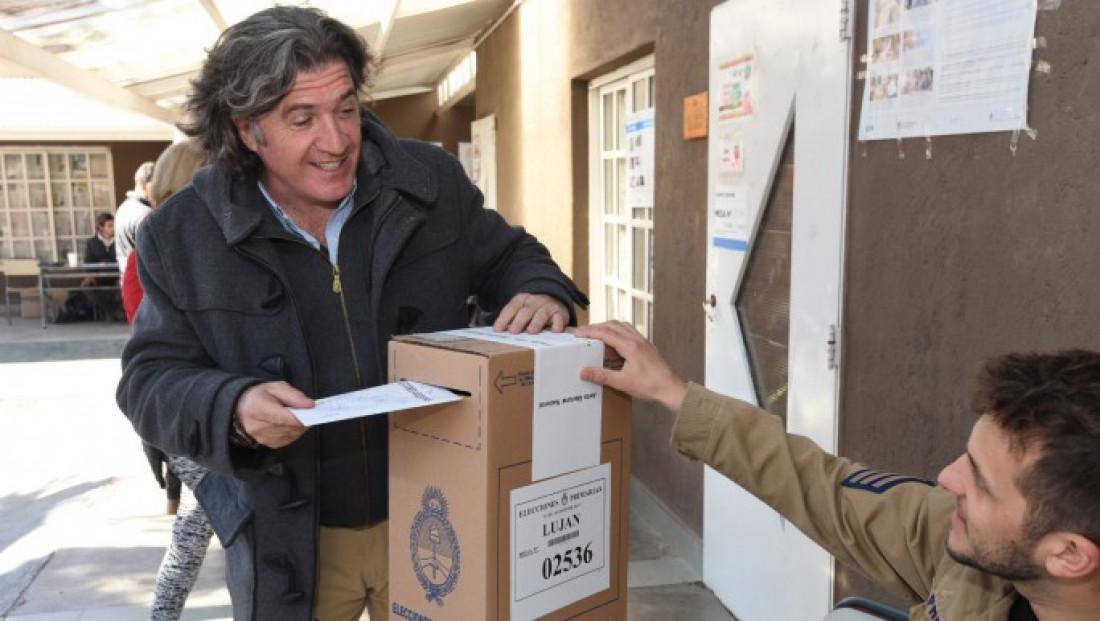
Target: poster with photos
point(938, 67)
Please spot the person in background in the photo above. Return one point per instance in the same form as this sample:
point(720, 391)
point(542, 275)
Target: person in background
point(181, 160)
point(278, 277)
point(1012, 531)
point(191, 530)
point(99, 250)
point(130, 214)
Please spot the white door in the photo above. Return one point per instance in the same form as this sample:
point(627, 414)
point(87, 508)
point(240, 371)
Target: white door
point(779, 96)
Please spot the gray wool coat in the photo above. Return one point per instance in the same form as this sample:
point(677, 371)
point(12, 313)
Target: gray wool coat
point(232, 300)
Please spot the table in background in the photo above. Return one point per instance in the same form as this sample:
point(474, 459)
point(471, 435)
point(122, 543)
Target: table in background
point(67, 278)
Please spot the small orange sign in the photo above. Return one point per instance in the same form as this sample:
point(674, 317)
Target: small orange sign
point(695, 116)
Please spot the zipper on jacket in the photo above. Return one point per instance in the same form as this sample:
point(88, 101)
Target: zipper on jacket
point(338, 289)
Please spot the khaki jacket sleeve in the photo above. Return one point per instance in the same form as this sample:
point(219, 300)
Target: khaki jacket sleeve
point(890, 527)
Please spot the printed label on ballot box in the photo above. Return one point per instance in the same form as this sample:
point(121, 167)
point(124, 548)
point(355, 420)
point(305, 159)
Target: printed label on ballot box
point(561, 529)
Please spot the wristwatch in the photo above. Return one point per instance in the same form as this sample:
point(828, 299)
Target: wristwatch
point(238, 436)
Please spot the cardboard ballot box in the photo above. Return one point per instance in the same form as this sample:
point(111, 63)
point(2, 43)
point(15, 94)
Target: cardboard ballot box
point(472, 537)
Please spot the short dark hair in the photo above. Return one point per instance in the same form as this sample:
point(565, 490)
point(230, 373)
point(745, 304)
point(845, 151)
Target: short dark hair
point(103, 218)
point(1050, 402)
point(251, 68)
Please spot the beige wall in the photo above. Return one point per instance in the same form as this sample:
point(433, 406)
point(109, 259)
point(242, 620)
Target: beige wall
point(533, 74)
point(418, 117)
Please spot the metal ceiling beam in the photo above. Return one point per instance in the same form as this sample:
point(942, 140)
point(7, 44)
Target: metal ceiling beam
point(385, 27)
point(215, 14)
point(166, 86)
point(430, 52)
point(53, 68)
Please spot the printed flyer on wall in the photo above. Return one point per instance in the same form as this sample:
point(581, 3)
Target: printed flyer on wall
point(936, 67)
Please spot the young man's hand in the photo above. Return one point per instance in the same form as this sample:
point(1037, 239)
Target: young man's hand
point(644, 375)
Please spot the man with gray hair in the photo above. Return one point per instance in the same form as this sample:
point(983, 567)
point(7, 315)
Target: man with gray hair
point(131, 212)
point(278, 277)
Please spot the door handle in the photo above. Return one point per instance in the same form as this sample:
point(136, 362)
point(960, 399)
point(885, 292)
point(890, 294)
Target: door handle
point(710, 306)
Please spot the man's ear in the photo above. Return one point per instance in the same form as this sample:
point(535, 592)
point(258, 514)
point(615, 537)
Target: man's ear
point(244, 130)
point(1070, 556)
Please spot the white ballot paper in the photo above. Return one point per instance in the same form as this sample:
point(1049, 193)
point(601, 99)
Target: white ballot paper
point(568, 411)
point(382, 399)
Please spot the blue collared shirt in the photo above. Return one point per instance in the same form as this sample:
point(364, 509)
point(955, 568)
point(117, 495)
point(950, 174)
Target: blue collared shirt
point(332, 229)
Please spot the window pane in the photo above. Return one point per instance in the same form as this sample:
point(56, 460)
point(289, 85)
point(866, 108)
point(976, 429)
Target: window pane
point(609, 251)
point(641, 96)
point(623, 271)
point(101, 195)
point(58, 166)
point(610, 186)
point(641, 316)
point(649, 262)
point(621, 200)
point(99, 165)
point(620, 122)
point(63, 221)
point(43, 250)
point(85, 224)
point(610, 297)
point(65, 246)
point(38, 195)
point(36, 167)
point(17, 196)
point(40, 224)
point(78, 164)
point(608, 122)
point(641, 251)
point(81, 195)
point(624, 307)
point(13, 166)
point(60, 194)
point(20, 224)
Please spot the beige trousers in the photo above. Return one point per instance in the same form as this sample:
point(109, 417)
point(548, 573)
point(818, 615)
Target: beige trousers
point(353, 573)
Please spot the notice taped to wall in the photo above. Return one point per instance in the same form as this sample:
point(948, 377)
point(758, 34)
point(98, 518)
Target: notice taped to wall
point(937, 68)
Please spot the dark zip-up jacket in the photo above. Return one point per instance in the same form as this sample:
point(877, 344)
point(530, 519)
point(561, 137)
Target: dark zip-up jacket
point(232, 299)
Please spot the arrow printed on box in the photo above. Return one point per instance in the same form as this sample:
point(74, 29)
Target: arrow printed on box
point(503, 381)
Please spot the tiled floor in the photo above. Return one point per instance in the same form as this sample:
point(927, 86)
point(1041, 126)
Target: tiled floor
point(73, 548)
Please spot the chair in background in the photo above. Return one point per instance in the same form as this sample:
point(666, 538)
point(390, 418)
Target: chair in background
point(863, 609)
point(20, 280)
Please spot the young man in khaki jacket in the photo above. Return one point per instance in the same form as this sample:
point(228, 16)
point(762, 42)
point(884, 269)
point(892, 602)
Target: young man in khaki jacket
point(1012, 532)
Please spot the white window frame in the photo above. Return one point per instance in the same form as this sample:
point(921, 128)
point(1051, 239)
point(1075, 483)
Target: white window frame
point(620, 276)
point(51, 210)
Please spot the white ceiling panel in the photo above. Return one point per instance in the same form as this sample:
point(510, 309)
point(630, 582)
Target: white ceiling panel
point(132, 59)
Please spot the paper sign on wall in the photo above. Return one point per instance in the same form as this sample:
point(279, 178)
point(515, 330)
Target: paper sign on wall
point(731, 218)
point(946, 67)
point(737, 88)
point(639, 162)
